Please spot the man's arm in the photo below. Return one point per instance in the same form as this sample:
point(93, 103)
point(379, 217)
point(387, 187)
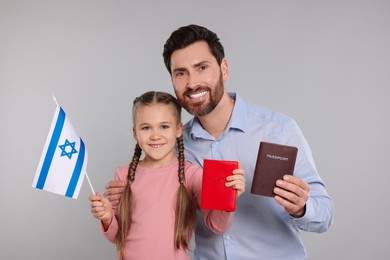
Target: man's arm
point(311, 207)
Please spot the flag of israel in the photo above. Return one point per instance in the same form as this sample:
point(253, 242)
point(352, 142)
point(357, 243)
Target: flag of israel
point(63, 163)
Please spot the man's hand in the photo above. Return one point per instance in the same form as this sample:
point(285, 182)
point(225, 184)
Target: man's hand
point(113, 192)
point(292, 193)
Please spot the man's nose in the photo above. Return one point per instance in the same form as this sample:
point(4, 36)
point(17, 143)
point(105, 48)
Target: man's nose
point(192, 81)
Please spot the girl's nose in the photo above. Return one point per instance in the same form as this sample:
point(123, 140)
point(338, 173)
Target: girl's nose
point(155, 135)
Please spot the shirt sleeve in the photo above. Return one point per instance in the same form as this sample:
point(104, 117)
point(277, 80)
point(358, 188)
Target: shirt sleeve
point(112, 230)
point(319, 207)
point(217, 220)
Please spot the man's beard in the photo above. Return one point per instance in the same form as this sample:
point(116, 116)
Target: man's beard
point(202, 109)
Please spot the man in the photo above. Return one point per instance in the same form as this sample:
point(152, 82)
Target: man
point(225, 127)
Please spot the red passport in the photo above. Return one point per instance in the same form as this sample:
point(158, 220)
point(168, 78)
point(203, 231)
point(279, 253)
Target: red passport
point(214, 193)
point(273, 161)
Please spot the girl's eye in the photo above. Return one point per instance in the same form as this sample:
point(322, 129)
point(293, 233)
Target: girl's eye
point(145, 128)
point(164, 126)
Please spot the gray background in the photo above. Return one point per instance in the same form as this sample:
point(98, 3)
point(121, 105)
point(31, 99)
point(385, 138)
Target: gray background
point(325, 63)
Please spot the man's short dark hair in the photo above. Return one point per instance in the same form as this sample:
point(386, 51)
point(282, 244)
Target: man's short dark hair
point(187, 35)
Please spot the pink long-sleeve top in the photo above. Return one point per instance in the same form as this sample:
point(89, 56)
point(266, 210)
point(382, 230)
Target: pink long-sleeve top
point(153, 218)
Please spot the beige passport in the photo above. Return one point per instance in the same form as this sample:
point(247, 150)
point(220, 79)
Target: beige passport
point(273, 161)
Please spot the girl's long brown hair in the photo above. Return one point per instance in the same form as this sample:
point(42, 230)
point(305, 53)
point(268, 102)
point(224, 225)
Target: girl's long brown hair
point(185, 208)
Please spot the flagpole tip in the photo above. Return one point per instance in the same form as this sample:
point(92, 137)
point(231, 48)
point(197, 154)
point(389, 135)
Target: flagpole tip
point(55, 100)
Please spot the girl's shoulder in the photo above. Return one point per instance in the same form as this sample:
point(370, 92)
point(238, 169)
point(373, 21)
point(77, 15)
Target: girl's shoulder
point(192, 168)
point(192, 165)
point(194, 174)
point(121, 172)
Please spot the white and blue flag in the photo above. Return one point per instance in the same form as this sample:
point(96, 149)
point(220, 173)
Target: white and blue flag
point(63, 163)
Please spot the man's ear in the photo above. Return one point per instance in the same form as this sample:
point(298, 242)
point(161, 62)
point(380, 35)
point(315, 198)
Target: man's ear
point(224, 69)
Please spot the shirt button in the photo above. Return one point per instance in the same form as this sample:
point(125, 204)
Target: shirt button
point(228, 237)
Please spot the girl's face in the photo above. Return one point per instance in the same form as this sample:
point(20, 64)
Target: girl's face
point(156, 129)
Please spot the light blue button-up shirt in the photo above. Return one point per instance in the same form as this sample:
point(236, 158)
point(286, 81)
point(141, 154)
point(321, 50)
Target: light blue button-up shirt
point(261, 229)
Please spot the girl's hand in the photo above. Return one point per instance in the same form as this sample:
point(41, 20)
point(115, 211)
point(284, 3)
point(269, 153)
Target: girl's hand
point(237, 181)
point(101, 208)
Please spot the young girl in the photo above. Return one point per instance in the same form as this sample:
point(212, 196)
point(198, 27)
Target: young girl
point(156, 213)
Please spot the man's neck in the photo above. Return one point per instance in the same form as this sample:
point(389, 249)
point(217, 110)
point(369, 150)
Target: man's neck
point(217, 120)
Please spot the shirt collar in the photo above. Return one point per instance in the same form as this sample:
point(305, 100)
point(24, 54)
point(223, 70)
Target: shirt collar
point(239, 117)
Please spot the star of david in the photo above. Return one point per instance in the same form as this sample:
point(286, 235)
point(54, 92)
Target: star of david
point(66, 151)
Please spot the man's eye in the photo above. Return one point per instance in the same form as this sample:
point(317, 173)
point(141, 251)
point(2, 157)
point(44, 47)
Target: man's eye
point(202, 67)
point(179, 74)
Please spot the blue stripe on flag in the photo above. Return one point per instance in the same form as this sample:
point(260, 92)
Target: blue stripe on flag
point(51, 149)
point(77, 171)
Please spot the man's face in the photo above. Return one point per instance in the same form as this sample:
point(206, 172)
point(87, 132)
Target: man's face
point(197, 78)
